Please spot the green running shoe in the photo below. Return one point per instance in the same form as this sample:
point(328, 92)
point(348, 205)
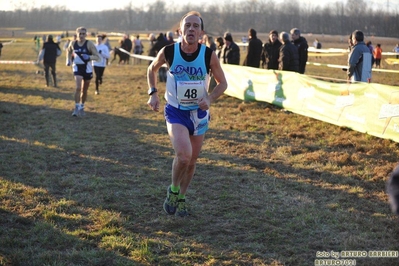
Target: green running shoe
point(170, 203)
point(181, 208)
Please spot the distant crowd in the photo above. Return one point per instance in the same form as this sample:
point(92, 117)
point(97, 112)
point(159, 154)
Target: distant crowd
point(286, 51)
point(277, 53)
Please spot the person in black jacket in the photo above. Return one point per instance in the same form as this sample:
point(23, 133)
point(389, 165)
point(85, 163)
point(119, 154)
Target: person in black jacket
point(49, 54)
point(128, 46)
point(254, 50)
point(302, 45)
point(160, 43)
point(289, 57)
point(271, 51)
point(230, 52)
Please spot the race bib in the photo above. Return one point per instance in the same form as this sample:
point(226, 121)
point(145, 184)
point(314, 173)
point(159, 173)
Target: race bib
point(189, 92)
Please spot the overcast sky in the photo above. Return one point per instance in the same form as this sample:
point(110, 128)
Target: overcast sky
point(86, 5)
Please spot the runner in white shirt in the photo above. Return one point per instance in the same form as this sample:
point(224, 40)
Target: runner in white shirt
point(99, 67)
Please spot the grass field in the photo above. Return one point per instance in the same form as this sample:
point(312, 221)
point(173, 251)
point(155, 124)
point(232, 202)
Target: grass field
point(271, 188)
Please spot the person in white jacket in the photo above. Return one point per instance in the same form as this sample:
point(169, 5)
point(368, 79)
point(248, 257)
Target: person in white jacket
point(99, 66)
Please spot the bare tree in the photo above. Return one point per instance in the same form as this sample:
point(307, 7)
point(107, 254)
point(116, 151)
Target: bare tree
point(262, 15)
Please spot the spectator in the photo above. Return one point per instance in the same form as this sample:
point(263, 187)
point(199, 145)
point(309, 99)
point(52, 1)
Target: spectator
point(107, 43)
point(179, 37)
point(158, 45)
point(254, 50)
point(137, 45)
point(151, 39)
point(244, 42)
point(231, 51)
point(396, 50)
point(271, 51)
point(127, 45)
point(359, 59)
point(302, 45)
point(371, 48)
point(210, 42)
point(219, 47)
point(169, 37)
point(204, 39)
point(138, 48)
point(289, 56)
point(123, 57)
point(37, 43)
point(49, 54)
point(1, 47)
point(317, 45)
point(377, 54)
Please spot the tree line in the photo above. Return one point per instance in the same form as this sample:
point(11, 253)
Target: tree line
point(337, 18)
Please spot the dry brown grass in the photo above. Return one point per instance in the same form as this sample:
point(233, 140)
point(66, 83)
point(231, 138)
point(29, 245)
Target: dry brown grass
point(271, 188)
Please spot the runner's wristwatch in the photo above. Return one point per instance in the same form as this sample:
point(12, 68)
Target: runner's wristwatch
point(151, 91)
